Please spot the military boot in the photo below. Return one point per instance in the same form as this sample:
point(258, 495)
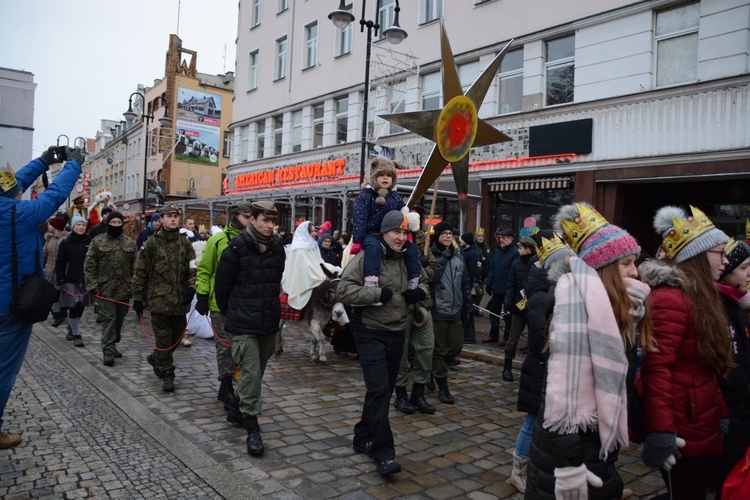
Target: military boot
point(168, 384)
point(402, 403)
point(254, 442)
point(508, 370)
point(234, 415)
point(418, 400)
point(444, 395)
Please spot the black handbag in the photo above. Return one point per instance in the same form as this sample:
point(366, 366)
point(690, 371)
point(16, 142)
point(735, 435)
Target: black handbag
point(32, 301)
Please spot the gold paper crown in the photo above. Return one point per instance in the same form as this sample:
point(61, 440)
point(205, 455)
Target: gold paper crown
point(548, 247)
point(7, 179)
point(731, 246)
point(480, 231)
point(685, 231)
point(577, 231)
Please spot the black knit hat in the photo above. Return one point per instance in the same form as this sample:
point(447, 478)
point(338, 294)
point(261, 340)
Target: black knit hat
point(467, 238)
point(737, 251)
point(443, 226)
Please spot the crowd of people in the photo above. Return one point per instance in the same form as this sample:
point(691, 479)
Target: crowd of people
point(622, 347)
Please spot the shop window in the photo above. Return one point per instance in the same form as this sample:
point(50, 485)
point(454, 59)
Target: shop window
point(311, 45)
point(510, 85)
point(344, 38)
point(560, 70)
point(342, 120)
point(676, 39)
point(279, 71)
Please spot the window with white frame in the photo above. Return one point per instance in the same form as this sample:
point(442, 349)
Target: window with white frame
point(342, 120)
point(278, 134)
point(344, 37)
point(260, 132)
point(676, 39)
point(297, 131)
point(467, 73)
point(430, 10)
point(510, 87)
point(227, 150)
point(311, 45)
point(256, 11)
point(252, 70)
point(386, 15)
point(396, 107)
point(560, 70)
point(318, 114)
point(279, 71)
point(281, 6)
point(245, 148)
point(431, 91)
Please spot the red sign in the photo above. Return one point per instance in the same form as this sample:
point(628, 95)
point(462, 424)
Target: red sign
point(296, 173)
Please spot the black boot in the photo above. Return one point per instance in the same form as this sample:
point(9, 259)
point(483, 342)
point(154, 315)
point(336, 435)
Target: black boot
point(444, 394)
point(58, 319)
point(402, 403)
point(254, 442)
point(431, 384)
point(508, 370)
point(234, 414)
point(418, 400)
point(226, 391)
point(168, 384)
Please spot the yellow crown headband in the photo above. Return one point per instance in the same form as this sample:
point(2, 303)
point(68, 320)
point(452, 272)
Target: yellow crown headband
point(548, 247)
point(685, 231)
point(7, 179)
point(578, 230)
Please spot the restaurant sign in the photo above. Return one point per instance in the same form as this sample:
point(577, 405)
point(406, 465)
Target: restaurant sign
point(291, 174)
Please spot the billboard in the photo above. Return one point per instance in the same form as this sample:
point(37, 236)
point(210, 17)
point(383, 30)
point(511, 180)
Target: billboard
point(198, 126)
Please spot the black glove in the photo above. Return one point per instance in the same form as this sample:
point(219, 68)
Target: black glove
point(49, 157)
point(413, 296)
point(424, 260)
point(94, 292)
point(488, 289)
point(201, 306)
point(188, 297)
point(138, 307)
point(386, 294)
point(75, 154)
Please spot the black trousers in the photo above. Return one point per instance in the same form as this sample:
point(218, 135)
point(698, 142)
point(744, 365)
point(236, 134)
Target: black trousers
point(379, 356)
point(691, 478)
point(496, 306)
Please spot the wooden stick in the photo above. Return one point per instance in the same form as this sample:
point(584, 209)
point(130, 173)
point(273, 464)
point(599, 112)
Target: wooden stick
point(432, 214)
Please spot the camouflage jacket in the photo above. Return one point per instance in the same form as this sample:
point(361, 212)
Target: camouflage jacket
point(164, 271)
point(109, 266)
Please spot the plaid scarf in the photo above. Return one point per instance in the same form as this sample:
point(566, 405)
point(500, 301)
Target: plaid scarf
point(587, 363)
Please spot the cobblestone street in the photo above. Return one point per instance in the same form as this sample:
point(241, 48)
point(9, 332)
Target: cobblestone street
point(93, 431)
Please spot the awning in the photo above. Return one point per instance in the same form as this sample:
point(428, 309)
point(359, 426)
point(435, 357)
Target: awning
point(531, 184)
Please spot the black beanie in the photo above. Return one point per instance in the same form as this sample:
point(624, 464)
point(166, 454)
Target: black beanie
point(442, 226)
point(115, 215)
point(467, 238)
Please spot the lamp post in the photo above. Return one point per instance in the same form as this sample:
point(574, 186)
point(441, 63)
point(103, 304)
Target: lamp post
point(165, 121)
point(341, 18)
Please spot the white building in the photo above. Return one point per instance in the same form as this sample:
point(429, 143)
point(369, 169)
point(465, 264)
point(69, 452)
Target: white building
point(16, 117)
point(627, 104)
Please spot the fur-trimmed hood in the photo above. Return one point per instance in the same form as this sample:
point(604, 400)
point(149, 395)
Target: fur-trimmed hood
point(659, 273)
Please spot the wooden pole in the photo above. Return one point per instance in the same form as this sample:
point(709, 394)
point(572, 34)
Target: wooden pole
point(432, 214)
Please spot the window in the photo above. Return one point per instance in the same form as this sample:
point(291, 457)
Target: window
point(342, 120)
point(279, 71)
point(396, 107)
point(431, 91)
point(297, 131)
point(281, 6)
point(677, 45)
point(278, 133)
point(386, 15)
point(344, 38)
point(510, 86)
point(260, 132)
point(318, 112)
point(560, 70)
point(252, 70)
point(227, 150)
point(467, 73)
point(256, 11)
point(430, 10)
point(311, 45)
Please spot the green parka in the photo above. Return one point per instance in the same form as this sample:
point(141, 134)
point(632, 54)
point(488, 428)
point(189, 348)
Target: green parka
point(210, 261)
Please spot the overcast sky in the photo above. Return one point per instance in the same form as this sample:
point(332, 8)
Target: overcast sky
point(88, 56)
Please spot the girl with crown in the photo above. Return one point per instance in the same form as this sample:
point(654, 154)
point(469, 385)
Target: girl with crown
point(599, 305)
point(684, 409)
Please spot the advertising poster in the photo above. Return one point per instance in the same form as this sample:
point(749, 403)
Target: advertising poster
point(198, 126)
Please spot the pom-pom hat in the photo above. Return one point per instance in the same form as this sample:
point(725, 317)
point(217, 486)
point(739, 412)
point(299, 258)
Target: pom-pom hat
point(592, 237)
point(686, 236)
point(57, 222)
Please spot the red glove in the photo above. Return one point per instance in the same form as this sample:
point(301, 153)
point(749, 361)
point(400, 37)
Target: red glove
point(356, 247)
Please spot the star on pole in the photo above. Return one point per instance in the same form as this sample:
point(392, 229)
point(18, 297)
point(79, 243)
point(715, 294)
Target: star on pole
point(456, 128)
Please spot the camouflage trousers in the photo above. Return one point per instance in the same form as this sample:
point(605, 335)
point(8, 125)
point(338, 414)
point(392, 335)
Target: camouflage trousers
point(167, 330)
point(224, 361)
point(252, 353)
point(112, 315)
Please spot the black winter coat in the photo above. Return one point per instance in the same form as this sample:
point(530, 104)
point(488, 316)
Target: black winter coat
point(70, 256)
point(516, 283)
point(534, 368)
point(248, 284)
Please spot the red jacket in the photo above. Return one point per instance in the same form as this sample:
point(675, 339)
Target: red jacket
point(680, 391)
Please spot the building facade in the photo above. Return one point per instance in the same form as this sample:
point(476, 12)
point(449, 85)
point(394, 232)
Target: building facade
point(16, 117)
point(627, 104)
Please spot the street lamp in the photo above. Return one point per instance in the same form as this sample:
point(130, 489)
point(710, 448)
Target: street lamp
point(341, 18)
point(165, 121)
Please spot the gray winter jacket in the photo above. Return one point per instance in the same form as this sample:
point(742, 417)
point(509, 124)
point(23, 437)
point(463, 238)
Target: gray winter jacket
point(450, 286)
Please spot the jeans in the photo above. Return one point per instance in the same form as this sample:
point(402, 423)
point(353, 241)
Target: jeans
point(14, 340)
point(374, 253)
point(523, 441)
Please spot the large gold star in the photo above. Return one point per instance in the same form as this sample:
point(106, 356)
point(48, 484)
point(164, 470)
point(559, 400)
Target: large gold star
point(456, 128)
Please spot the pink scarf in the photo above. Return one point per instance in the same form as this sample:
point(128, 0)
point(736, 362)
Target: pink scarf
point(587, 358)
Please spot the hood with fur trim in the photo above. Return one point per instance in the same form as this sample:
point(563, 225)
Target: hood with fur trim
point(659, 273)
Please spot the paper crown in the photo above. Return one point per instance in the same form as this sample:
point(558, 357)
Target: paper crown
point(8, 180)
point(685, 231)
point(480, 232)
point(102, 195)
point(548, 247)
point(747, 228)
point(731, 246)
point(577, 231)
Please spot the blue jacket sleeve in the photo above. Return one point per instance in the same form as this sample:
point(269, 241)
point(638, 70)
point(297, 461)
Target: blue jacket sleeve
point(361, 210)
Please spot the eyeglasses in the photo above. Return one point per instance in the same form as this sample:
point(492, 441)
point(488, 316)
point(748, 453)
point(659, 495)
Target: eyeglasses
point(720, 252)
point(446, 233)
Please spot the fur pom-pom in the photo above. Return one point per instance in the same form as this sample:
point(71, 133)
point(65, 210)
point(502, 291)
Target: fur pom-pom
point(382, 193)
point(664, 219)
point(569, 213)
